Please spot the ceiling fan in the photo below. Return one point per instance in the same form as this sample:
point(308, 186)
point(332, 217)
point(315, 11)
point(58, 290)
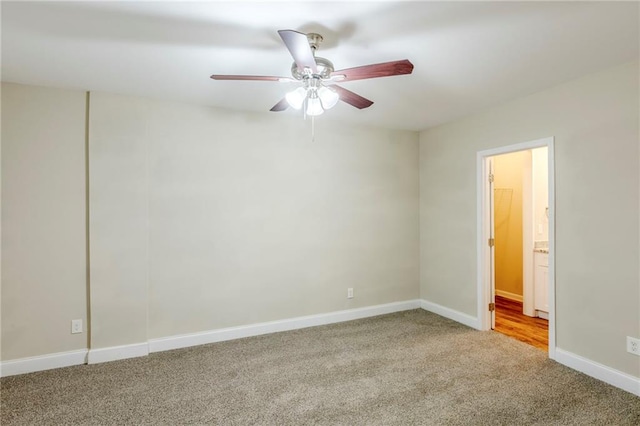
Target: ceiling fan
point(319, 90)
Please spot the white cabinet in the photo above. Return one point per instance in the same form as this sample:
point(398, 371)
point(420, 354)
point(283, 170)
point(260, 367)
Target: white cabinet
point(541, 281)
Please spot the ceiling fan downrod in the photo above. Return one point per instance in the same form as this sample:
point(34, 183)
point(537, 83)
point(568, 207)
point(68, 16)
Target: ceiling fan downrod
point(314, 41)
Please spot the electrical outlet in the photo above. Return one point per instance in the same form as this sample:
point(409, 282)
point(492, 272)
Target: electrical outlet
point(76, 326)
point(349, 293)
point(633, 346)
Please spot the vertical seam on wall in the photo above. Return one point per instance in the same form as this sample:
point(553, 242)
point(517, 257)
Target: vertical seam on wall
point(0, 226)
point(420, 295)
point(148, 196)
point(87, 215)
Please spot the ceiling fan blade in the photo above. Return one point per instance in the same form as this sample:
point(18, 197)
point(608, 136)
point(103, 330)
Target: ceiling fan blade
point(249, 77)
point(280, 106)
point(384, 69)
point(298, 46)
point(352, 98)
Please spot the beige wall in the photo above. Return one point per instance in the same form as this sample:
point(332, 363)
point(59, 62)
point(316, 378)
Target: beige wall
point(43, 220)
point(203, 218)
point(118, 221)
point(595, 124)
point(211, 218)
point(508, 171)
point(199, 219)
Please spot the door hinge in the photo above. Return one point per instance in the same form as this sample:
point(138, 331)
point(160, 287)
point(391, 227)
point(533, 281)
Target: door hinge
point(490, 177)
point(492, 242)
point(492, 307)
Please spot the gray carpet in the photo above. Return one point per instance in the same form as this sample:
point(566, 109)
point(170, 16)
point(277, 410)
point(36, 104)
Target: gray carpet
point(406, 368)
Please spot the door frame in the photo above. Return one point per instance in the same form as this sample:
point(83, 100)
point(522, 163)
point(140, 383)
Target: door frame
point(484, 284)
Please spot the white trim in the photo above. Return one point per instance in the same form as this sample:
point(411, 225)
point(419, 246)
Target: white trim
point(552, 247)
point(43, 362)
point(231, 333)
point(66, 359)
point(510, 296)
point(601, 372)
point(115, 353)
point(94, 356)
point(542, 314)
point(483, 258)
point(528, 235)
point(452, 314)
point(483, 290)
point(523, 146)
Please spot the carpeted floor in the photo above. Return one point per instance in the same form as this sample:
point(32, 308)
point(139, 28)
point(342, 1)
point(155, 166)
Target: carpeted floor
point(406, 368)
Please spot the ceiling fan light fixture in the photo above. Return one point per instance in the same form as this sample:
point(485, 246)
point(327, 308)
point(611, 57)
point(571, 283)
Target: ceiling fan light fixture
point(314, 106)
point(328, 97)
point(296, 97)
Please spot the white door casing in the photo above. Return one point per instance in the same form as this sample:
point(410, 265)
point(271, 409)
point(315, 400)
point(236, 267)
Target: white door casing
point(490, 195)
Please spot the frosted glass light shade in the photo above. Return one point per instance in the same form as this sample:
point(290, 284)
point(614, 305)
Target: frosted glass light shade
point(328, 97)
point(314, 106)
point(296, 97)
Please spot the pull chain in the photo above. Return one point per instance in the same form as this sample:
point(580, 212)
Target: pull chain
point(313, 121)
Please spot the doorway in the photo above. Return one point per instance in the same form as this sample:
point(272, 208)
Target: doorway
point(515, 231)
point(519, 187)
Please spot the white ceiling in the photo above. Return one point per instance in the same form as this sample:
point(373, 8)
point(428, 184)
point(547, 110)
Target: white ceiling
point(467, 56)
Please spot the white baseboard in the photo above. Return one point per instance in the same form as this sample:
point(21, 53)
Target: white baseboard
point(510, 296)
point(231, 333)
point(542, 314)
point(601, 372)
point(43, 362)
point(66, 359)
point(457, 316)
point(114, 353)
point(94, 356)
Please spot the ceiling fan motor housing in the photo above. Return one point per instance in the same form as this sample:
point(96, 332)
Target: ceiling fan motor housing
point(323, 65)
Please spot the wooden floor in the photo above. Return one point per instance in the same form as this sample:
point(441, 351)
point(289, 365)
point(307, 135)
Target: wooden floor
point(512, 322)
